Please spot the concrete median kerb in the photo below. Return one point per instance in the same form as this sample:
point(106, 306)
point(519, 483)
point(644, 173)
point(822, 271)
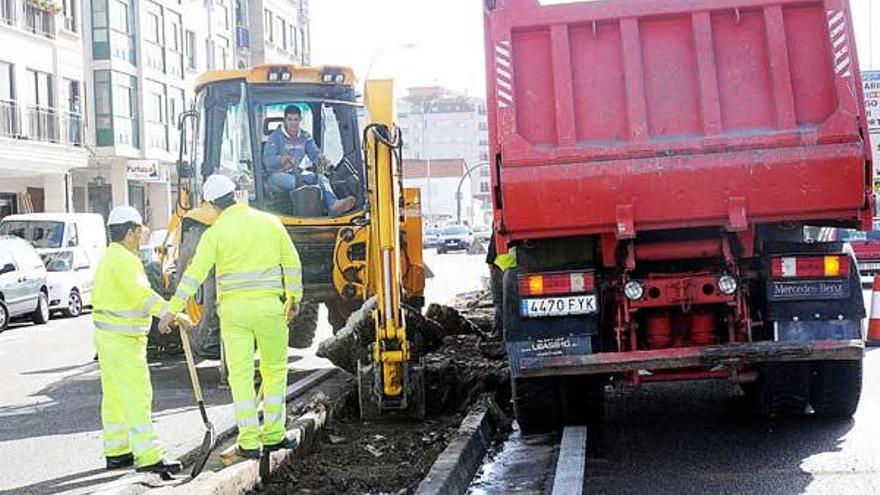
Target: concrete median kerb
point(317, 406)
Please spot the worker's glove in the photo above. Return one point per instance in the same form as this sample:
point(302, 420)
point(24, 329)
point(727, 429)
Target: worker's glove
point(165, 323)
point(182, 322)
point(292, 311)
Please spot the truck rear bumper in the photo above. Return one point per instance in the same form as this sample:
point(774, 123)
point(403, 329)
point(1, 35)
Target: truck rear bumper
point(688, 357)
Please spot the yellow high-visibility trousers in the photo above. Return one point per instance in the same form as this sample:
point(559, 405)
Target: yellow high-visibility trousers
point(246, 321)
point(127, 397)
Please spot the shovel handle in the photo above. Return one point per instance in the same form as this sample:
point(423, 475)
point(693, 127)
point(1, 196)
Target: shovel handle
point(191, 366)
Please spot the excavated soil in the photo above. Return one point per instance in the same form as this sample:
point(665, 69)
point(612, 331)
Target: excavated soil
point(355, 457)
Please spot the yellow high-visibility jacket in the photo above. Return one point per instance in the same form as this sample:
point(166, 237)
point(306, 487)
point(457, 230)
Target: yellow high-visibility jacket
point(122, 299)
point(253, 255)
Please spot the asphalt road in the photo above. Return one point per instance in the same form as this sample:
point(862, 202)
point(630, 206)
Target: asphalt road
point(50, 428)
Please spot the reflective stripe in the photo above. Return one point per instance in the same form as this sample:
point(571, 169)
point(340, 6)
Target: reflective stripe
point(115, 444)
point(113, 327)
point(273, 417)
point(133, 313)
point(293, 287)
point(247, 422)
point(245, 405)
point(152, 301)
point(274, 399)
point(292, 272)
point(115, 428)
point(271, 272)
point(145, 445)
point(250, 284)
point(141, 429)
point(188, 281)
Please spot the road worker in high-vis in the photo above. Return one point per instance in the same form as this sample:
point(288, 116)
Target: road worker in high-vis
point(123, 307)
point(259, 285)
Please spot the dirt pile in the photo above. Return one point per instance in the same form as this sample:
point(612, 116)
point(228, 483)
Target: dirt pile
point(355, 457)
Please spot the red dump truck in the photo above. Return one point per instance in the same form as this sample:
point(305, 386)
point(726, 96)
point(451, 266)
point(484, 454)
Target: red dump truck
point(654, 166)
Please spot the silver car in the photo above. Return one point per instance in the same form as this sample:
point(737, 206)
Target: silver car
point(23, 287)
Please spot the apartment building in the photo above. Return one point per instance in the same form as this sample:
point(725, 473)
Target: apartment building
point(440, 124)
point(41, 98)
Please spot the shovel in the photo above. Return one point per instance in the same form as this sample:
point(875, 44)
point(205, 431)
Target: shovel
point(210, 436)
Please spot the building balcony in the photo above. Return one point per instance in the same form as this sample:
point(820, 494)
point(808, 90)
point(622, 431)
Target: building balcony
point(242, 37)
point(40, 124)
point(39, 17)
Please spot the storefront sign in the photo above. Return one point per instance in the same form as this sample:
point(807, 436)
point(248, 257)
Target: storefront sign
point(145, 170)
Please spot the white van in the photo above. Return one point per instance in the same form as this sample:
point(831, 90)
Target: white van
point(71, 245)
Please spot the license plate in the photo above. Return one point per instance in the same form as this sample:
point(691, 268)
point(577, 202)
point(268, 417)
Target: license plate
point(558, 306)
point(809, 290)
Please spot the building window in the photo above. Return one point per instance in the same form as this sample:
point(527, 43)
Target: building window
point(176, 102)
point(7, 11)
point(483, 126)
point(103, 109)
point(484, 156)
point(484, 187)
point(221, 53)
point(43, 122)
point(39, 21)
point(71, 16)
point(125, 111)
point(190, 49)
point(268, 26)
point(294, 41)
point(155, 116)
point(119, 17)
point(9, 111)
point(100, 35)
point(282, 34)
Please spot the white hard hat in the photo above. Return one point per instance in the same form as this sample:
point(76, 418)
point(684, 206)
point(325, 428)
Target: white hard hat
point(124, 214)
point(217, 186)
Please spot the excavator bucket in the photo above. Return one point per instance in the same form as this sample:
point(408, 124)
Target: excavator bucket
point(375, 405)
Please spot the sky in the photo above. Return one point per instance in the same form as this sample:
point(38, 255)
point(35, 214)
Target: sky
point(448, 39)
point(443, 40)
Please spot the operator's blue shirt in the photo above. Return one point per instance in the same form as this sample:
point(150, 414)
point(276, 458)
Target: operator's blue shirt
point(280, 144)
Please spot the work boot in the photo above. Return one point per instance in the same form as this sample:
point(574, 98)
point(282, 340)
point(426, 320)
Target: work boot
point(248, 453)
point(162, 467)
point(286, 444)
point(342, 206)
point(120, 461)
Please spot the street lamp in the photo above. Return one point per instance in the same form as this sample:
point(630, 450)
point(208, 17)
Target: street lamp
point(407, 45)
point(465, 175)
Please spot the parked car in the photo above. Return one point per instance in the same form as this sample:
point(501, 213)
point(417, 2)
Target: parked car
point(24, 290)
point(483, 233)
point(71, 276)
point(53, 231)
point(455, 238)
point(431, 238)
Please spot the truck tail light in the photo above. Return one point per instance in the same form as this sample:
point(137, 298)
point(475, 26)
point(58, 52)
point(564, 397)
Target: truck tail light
point(545, 284)
point(810, 266)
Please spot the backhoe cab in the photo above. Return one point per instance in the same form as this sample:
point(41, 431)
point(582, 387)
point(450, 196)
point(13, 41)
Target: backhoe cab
point(370, 250)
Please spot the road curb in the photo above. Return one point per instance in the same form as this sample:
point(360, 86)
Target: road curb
point(452, 472)
point(301, 429)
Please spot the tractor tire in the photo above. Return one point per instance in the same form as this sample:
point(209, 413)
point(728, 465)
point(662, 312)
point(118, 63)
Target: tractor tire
point(783, 389)
point(536, 404)
point(583, 400)
point(835, 388)
point(303, 327)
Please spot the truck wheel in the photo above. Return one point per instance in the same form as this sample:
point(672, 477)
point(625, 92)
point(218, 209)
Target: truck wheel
point(40, 316)
point(783, 389)
point(536, 404)
point(835, 388)
point(302, 330)
point(583, 400)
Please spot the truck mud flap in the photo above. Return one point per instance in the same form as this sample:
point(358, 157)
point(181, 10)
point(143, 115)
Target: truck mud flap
point(709, 356)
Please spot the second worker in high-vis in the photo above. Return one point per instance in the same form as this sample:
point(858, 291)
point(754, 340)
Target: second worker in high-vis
point(259, 282)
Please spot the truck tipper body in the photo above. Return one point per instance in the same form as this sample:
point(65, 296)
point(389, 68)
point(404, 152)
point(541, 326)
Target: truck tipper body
point(654, 166)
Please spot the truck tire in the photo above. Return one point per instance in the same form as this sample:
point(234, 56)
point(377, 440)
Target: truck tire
point(583, 400)
point(536, 404)
point(302, 330)
point(783, 389)
point(835, 388)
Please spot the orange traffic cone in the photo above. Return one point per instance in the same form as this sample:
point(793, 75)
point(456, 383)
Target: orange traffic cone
point(874, 321)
